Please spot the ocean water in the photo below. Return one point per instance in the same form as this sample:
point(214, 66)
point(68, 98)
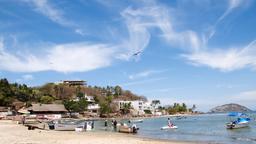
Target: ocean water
point(208, 128)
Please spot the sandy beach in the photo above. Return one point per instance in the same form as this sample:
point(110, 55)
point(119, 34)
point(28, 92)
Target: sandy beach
point(12, 133)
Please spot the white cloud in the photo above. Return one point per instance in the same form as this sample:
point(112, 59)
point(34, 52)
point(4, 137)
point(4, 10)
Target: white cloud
point(248, 96)
point(226, 60)
point(80, 31)
point(27, 77)
point(144, 74)
point(1, 44)
point(140, 21)
point(73, 57)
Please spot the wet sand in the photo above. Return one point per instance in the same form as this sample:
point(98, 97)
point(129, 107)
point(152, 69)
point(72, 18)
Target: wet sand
point(12, 133)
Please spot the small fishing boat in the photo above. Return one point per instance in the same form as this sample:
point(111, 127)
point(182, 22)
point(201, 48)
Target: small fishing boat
point(169, 127)
point(136, 121)
point(241, 121)
point(70, 124)
point(123, 128)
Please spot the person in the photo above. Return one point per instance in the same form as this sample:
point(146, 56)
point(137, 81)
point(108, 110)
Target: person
point(23, 119)
point(106, 123)
point(170, 124)
point(115, 124)
point(134, 128)
point(92, 124)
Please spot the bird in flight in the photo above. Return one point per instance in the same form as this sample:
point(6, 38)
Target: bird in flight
point(137, 53)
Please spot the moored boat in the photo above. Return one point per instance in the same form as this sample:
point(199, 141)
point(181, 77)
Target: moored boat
point(128, 129)
point(241, 121)
point(136, 120)
point(70, 124)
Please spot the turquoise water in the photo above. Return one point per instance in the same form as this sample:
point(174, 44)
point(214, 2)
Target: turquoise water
point(201, 128)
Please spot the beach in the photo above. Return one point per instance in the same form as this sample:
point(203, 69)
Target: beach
point(12, 133)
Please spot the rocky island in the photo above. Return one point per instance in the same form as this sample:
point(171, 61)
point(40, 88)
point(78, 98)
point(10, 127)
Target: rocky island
point(230, 107)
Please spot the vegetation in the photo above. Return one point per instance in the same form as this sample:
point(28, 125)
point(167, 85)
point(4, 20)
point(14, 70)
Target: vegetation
point(177, 108)
point(61, 93)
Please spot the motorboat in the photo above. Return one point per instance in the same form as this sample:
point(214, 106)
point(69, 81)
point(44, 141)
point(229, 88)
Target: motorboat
point(241, 121)
point(136, 120)
point(70, 124)
point(169, 127)
point(123, 128)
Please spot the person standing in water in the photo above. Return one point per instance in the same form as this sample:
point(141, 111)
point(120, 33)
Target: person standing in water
point(106, 124)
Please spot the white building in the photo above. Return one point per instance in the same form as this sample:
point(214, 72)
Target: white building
point(92, 106)
point(138, 105)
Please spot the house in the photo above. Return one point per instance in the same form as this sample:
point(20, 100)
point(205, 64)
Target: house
point(74, 82)
point(138, 105)
point(93, 107)
point(49, 111)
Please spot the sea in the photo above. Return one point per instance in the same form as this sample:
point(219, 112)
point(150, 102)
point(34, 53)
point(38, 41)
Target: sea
point(205, 128)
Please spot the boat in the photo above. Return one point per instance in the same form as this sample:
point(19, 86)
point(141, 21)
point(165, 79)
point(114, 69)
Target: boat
point(123, 128)
point(70, 124)
point(136, 121)
point(169, 127)
point(241, 121)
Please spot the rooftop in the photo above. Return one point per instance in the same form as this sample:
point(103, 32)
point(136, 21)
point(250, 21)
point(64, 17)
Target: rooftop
point(47, 107)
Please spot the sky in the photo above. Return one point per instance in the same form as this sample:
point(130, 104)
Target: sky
point(197, 52)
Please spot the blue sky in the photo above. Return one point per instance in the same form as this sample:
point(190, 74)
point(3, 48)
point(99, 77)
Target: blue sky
point(197, 52)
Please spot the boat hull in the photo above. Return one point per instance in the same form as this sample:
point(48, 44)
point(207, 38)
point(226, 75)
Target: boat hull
point(126, 129)
point(169, 127)
point(237, 126)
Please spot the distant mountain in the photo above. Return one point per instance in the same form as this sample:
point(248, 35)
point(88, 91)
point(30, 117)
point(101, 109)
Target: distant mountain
point(230, 108)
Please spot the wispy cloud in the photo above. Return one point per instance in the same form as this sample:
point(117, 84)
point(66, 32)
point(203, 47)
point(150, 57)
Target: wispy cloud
point(226, 60)
point(56, 15)
point(72, 57)
point(143, 81)
point(145, 73)
point(28, 77)
point(152, 15)
point(25, 78)
point(232, 4)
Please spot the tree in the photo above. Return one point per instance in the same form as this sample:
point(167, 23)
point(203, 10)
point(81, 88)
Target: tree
point(155, 103)
point(193, 107)
point(71, 106)
point(104, 109)
point(46, 99)
point(80, 95)
point(118, 91)
point(6, 93)
point(126, 108)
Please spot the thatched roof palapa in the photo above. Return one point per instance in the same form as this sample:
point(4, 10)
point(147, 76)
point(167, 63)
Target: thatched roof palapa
point(47, 108)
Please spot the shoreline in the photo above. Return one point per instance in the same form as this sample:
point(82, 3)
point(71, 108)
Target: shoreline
point(14, 133)
point(140, 117)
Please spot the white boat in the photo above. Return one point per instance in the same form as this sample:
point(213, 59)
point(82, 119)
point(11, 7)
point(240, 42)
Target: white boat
point(70, 125)
point(241, 122)
point(232, 125)
point(169, 127)
point(136, 121)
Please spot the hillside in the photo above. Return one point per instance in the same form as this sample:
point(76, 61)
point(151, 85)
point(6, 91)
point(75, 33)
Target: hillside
point(57, 93)
point(229, 108)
